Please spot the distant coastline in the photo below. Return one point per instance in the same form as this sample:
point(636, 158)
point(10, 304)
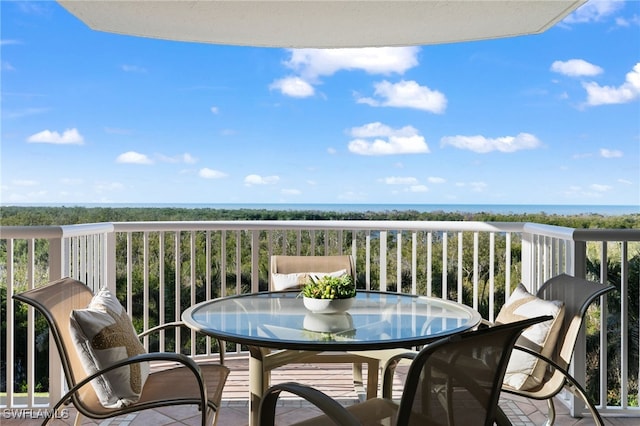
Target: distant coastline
point(550, 209)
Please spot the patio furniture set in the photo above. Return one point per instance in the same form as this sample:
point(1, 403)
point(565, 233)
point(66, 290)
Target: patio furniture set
point(459, 363)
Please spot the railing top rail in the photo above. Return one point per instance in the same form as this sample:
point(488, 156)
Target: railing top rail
point(356, 225)
point(553, 231)
point(582, 234)
point(55, 231)
point(382, 225)
point(30, 232)
point(606, 234)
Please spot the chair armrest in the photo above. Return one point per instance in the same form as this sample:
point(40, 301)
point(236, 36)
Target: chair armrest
point(331, 408)
point(390, 369)
point(485, 323)
point(569, 382)
point(174, 324)
point(156, 356)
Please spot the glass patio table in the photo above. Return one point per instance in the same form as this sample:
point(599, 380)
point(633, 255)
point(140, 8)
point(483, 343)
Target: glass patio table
point(279, 320)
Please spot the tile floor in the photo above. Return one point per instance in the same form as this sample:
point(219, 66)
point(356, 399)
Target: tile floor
point(335, 379)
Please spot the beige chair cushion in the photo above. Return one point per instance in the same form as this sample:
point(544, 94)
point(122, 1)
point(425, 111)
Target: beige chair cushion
point(102, 334)
point(297, 279)
point(526, 371)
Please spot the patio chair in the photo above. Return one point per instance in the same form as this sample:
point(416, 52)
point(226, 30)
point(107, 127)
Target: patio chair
point(101, 393)
point(283, 276)
point(576, 294)
point(453, 381)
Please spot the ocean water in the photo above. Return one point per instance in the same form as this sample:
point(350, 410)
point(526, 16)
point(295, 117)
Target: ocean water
point(550, 209)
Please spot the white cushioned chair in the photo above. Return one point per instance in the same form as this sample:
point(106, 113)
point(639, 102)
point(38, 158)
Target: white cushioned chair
point(283, 272)
point(576, 295)
point(64, 302)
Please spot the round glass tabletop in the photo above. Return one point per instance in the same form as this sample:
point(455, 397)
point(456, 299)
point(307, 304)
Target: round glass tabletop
point(376, 320)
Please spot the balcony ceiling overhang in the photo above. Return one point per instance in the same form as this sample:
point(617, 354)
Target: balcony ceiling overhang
point(322, 24)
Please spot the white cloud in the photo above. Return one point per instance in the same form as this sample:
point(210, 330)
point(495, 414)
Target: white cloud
point(214, 110)
point(68, 137)
point(397, 180)
point(181, 158)
point(594, 11)
point(352, 196)
point(71, 181)
point(188, 158)
point(380, 139)
point(610, 153)
point(406, 94)
point(623, 22)
point(575, 191)
point(627, 92)
point(293, 86)
point(576, 68)
point(24, 112)
point(478, 186)
point(582, 155)
point(260, 180)
point(207, 173)
point(600, 188)
point(418, 188)
point(108, 186)
point(313, 63)
point(117, 131)
point(331, 151)
point(377, 129)
point(24, 182)
point(483, 145)
point(133, 68)
point(625, 181)
point(7, 42)
point(132, 157)
point(434, 179)
point(6, 66)
point(291, 192)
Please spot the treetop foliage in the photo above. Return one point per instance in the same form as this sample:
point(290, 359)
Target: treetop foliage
point(39, 216)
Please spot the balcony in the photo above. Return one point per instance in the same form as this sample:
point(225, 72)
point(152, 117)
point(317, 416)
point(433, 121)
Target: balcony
point(160, 268)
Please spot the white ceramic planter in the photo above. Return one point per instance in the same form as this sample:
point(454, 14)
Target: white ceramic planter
point(328, 306)
point(328, 323)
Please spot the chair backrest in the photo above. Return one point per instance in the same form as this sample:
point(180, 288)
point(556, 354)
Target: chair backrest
point(457, 380)
point(55, 301)
point(577, 294)
point(296, 264)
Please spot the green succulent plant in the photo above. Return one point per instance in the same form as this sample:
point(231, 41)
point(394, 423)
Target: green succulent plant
point(328, 287)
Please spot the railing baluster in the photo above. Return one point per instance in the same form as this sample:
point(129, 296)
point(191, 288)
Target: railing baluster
point(429, 264)
point(476, 243)
point(445, 264)
point(460, 265)
point(162, 287)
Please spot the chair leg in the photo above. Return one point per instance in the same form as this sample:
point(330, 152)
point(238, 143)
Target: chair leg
point(78, 420)
point(577, 390)
point(501, 418)
point(551, 412)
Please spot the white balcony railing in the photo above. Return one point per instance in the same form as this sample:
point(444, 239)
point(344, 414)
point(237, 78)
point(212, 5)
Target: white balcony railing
point(160, 268)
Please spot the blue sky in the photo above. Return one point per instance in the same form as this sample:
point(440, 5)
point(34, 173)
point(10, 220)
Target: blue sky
point(91, 117)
